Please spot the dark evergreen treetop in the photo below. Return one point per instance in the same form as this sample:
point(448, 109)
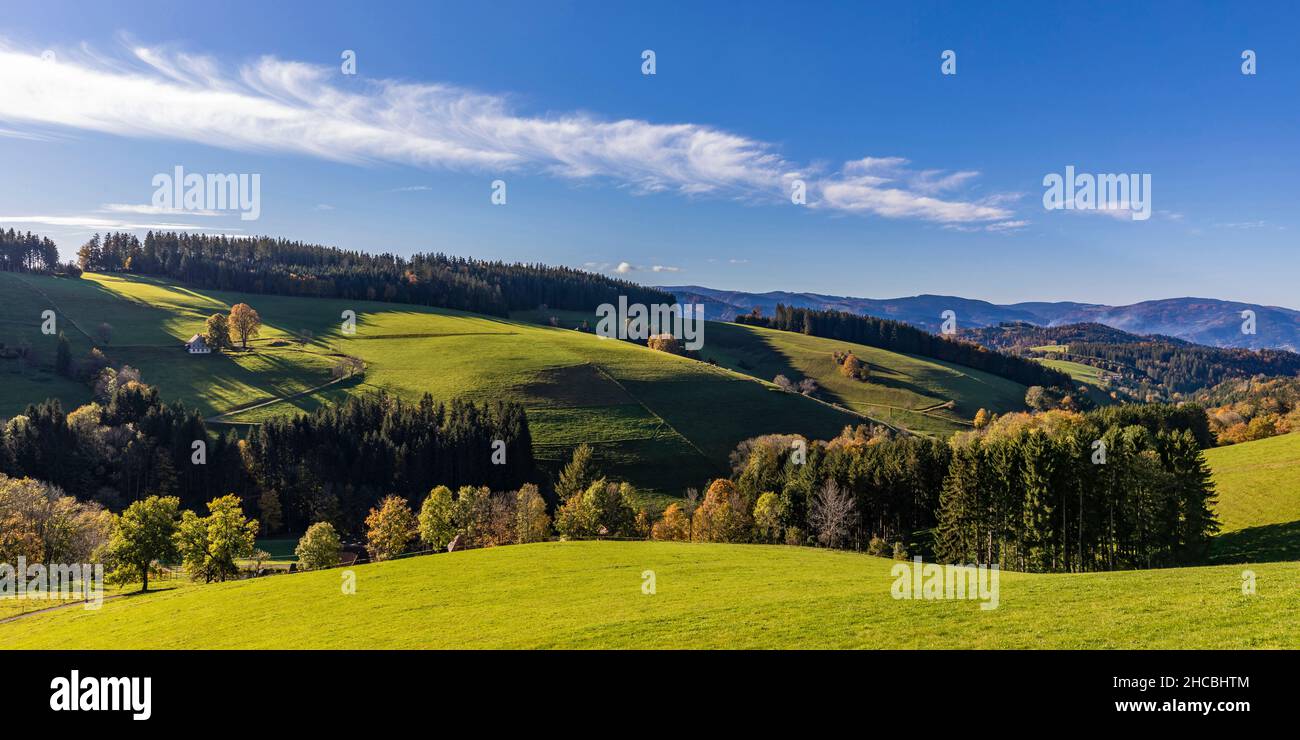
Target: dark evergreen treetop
point(283, 267)
point(27, 252)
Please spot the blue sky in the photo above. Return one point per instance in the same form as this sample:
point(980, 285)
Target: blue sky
point(918, 182)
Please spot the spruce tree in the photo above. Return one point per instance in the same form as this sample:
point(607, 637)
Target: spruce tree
point(578, 475)
point(63, 357)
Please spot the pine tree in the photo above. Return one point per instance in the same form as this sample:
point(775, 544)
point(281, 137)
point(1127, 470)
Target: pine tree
point(63, 357)
point(1039, 500)
point(957, 537)
point(578, 475)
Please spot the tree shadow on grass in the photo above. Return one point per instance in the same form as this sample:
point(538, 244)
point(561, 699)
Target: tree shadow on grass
point(1271, 542)
point(154, 588)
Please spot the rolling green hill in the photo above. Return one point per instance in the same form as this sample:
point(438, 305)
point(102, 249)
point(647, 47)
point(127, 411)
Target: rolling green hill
point(662, 421)
point(916, 393)
point(589, 595)
point(904, 390)
point(1087, 376)
point(1258, 485)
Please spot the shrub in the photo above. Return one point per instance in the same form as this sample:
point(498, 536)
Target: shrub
point(319, 547)
point(665, 343)
point(767, 516)
point(643, 524)
point(852, 367)
point(499, 526)
point(436, 525)
point(795, 536)
point(390, 528)
point(531, 521)
point(472, 515)
point(722, 516)
point(674, 525)
point(878, 547)
point(900, 551)
point(603, 510)
point(577, 475)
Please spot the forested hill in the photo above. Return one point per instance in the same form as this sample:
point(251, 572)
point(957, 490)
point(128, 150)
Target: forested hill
point(897, 336)
point(27, 252)
point(1142, 366)
point(1208, 321)
point(1013, 335)
point(283, 267)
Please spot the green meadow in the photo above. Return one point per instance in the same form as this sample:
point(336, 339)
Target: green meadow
point(1086, 375)
point(589, 595)
point(662, 421)
point(916, 393)
point(1258, 485)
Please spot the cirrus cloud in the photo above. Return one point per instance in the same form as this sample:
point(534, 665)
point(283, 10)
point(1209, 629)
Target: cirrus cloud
point(283, 106)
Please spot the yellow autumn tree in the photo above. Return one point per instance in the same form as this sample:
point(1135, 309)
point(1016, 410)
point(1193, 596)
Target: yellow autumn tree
point(244, 323)
point(665, 343)
point(854, 368)
point(390, 528)
point(722, 516)
point(674, 525)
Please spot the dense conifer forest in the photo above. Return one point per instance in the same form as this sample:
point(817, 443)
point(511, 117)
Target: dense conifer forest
point(1120, 487)
point(283, 267)
point(27, 252)
point(1145, 367)
point(331, 465)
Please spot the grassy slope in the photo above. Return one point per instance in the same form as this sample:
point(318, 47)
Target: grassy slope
point(665, 422)
point(1077, 370)
point(1258, 485)
point(903, 389)
point(20, 322)
point(1086, 375)
point(149, 321)
point(588, 594)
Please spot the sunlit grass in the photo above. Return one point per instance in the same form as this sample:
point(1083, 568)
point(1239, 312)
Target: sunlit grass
point(589, 595)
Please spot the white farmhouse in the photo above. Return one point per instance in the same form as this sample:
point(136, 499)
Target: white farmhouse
point(196, 345)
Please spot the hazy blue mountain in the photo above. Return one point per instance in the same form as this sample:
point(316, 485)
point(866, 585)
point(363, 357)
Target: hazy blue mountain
point(1202, 320)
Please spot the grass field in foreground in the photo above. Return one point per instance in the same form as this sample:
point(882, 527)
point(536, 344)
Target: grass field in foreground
point(588, 595)
point(1258, 485)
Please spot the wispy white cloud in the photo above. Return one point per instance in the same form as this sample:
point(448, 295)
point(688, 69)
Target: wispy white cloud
point(152, 210)
point(938, 181)
point(1004, 227)
point(106, 224)
point(27, 135)
point(274, 105)
point(884, 186)
point(1120, 211)
point(665, 268)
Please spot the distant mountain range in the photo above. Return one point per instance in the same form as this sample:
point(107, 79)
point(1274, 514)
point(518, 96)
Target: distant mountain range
point(1202, 320)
